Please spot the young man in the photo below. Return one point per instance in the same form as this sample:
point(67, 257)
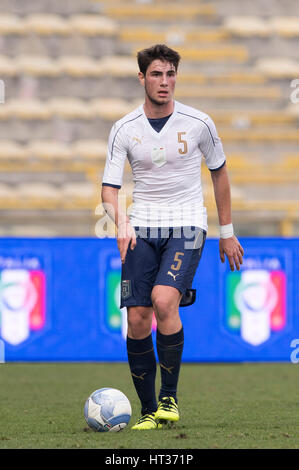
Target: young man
point(161, 243)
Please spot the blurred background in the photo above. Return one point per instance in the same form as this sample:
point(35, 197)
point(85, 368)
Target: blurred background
point(69, 71)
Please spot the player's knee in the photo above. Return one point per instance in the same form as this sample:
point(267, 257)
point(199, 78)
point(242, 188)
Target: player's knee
point(139, 322)
point(163, 307)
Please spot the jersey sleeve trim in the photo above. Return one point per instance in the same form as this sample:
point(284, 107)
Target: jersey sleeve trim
point(215, 169)
point(111, 185)
point(201, 120)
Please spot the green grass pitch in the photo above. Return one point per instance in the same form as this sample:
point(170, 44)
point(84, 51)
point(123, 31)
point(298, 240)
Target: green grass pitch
point(225, 406)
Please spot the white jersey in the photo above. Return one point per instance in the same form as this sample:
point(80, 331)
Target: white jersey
point(166, 165)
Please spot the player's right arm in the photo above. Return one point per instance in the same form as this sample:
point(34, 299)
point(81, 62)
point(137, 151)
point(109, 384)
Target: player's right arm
point(125, 232)
point(112, 182)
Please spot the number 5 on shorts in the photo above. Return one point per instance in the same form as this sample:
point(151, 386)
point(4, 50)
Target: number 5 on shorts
point(177, 259)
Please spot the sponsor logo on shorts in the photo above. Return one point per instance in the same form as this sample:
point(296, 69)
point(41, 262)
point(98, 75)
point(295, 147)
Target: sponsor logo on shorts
point(126, 290)
point(173, 275)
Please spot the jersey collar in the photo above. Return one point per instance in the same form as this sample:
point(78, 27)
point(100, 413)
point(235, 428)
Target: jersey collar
point(164, 128)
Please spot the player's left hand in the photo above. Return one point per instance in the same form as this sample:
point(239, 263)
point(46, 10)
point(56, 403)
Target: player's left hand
point(231, 248)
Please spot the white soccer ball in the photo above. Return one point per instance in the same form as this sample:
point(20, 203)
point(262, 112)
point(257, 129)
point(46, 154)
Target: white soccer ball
point(107, 409)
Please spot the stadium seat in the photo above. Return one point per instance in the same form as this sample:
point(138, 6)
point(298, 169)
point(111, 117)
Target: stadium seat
point(49, 149)
point(257, 135)
point(94, 150)
point(172, 36)
point(33, 230)
point(8, 67)
point(287, 26)
point(239, 162)
point(278, 67)
point(210, 34)
point(188, 77)
point(69, 108)
point(119, 66)
point(293, 108)
point(152, 2)
point(93, 25)
point(267, 177)
point(110, 108)
point(278, 206)
point(38, 65)
point(47, 24)
point(245, 118)
point(159, 12)
point(7, 196)
point(5, 112)
point(246, 26)
point(11, 24)
point(39, 195)
point(244, 76)
point(240, 77)
point(29, 109)
point(80, 195)
point(237, 193)
point(236, 53)
point(289, 162)
point(268, 117)
point(79, 189)
point(76, 66)
point(80, 66)
point(137, 34)
point(229, 92)
point(10, 150)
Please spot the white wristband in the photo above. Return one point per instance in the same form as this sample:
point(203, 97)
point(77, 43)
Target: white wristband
point(226, 231)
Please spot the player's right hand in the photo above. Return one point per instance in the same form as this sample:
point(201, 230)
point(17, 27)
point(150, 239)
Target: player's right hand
point(125, 236)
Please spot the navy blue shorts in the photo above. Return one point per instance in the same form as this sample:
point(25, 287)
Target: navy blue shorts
point(162, 256)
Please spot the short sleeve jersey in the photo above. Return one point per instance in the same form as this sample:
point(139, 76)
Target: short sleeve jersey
point(166, 165)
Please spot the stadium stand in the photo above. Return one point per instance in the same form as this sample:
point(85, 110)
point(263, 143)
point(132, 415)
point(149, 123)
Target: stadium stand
point(46, 24)
point(10, 150)
point(69, 70)
point(159, 12)
point(285, 26)
point(11, 24)
point(246, 26)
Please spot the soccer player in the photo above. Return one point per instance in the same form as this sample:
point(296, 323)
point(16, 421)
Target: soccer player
point(161, 242)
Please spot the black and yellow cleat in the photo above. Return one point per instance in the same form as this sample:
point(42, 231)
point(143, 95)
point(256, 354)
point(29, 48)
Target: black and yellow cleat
point(167, 410)
point(147, 421)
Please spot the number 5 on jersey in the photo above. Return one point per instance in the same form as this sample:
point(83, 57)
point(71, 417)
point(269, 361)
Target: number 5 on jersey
point(184, 149)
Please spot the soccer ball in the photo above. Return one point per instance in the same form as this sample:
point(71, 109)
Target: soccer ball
point(107, 409)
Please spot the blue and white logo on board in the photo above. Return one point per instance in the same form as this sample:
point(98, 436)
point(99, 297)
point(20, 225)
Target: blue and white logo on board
point(257, 303)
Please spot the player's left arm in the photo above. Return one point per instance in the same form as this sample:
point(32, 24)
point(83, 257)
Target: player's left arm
point(229, 245)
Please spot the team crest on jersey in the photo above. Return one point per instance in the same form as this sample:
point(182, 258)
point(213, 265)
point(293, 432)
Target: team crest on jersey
point(158, 155)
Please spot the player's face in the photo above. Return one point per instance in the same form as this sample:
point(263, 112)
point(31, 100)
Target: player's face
point(159, 82)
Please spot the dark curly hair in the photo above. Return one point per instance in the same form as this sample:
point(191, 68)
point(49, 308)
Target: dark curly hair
point(157, 52)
